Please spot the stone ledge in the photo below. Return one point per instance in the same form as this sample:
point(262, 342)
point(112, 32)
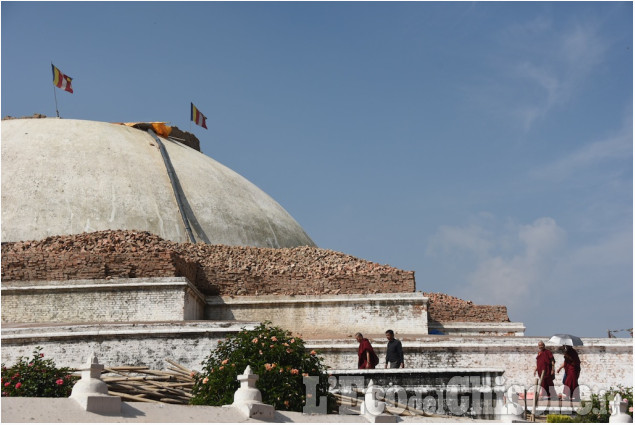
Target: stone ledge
point(479, 328)
point(17, 287)
point(472, 341)
point(121, 330)
point(314, 299)
point(381, 371)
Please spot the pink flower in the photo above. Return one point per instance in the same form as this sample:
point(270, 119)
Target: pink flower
point(41, 354)
point(192, 374)
point(260, 352)
point(285, 344)
point(30, 364)
point(625, 400)
point(225, 361)
point(7, 384)
point(286, 403)
point(630, 409)
point(60, 381)
point(271, 346)
point(294, 371)
point(281, 370)
point(292, 341)
point(305, 374)
point(255, 340)
point(205, 380)
point(221, 368)
point(274, 339)
point(289, 350)
point(313, 353)
point(18, 385)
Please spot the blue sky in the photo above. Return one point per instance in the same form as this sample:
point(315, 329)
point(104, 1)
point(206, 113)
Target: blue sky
point(486, 146)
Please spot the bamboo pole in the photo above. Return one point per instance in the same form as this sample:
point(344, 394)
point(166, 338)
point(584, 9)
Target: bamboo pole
point(537, 392)
point(131, 397)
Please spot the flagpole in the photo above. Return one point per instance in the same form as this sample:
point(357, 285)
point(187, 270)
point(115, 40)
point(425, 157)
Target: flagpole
point(55, 96)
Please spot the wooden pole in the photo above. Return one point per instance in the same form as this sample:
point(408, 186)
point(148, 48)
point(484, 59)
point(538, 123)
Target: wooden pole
point(537, 392)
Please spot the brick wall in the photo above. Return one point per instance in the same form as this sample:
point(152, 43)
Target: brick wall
point(214, 269)
point(446, 308)
point(224, 270)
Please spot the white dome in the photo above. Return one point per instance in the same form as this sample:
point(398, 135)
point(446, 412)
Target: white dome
point(64, 176)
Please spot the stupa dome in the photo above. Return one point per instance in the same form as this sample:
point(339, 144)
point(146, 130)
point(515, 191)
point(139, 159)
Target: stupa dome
point(62, 176)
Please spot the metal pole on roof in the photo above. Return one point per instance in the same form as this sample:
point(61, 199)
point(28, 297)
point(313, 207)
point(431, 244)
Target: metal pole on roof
point(55, 96)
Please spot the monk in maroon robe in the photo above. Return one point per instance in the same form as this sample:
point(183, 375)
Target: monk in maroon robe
point(366, 357)
point(572, 368)
point(545, 367)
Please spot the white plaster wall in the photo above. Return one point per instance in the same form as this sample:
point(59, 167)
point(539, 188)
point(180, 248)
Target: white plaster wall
point(148, 344)
point(606, 362)
point(117, 300)
point(327, 315)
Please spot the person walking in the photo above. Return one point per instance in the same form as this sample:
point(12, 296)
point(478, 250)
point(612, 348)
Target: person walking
point(394, 351)
point(572, 369)
point(545, 367)
point(366, 357)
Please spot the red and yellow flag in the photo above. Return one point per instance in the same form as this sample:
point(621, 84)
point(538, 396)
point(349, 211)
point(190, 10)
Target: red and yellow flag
point(197, 116)
point(60, 80)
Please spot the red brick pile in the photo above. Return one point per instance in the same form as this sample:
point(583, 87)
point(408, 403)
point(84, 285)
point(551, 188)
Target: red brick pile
point(446, 308)
point(97, 255)
point(224, 270)
point(214, 269)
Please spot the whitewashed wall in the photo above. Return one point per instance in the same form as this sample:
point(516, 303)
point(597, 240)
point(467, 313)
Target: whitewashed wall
point(101, 300)
point(606, 362)
point(328, 315)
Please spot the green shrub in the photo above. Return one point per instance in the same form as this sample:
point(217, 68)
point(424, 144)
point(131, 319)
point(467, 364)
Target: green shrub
point(278, 358)
point(597, 409)
point(37, 377)
point(559, 419)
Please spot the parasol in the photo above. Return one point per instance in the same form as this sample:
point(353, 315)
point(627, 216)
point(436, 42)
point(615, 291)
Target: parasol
point(565, 339)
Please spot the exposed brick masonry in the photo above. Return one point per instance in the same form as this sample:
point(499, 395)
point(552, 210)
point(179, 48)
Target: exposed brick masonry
point(446, 308)
point(214, 269)
point(224, 270)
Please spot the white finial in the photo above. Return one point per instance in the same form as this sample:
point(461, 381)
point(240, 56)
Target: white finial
point(248, 399)
point(618, 410)
point(91, 392)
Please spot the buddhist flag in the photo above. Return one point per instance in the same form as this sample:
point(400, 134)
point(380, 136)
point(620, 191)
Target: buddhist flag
point(197, 117)
point(60, 80)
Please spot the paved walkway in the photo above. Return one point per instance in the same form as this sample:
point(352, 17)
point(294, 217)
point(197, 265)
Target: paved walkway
point(51, 410)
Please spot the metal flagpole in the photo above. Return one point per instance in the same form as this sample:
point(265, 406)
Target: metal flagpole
point(55, 96)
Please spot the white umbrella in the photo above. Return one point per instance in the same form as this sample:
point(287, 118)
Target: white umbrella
point(565, 339)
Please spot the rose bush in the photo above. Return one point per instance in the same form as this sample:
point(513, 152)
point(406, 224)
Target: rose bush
point(37, 377)
point(277, 357)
